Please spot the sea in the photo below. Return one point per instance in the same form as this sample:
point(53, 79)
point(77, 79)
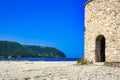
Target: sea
point(39, 59)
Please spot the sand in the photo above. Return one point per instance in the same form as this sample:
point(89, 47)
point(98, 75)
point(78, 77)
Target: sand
point(26, 70)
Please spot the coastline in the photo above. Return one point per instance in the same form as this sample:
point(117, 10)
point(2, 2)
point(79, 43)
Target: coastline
point(39, 59)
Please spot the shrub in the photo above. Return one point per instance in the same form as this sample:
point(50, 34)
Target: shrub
point(82, 61)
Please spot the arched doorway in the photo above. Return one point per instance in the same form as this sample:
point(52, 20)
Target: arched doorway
point(100, 49)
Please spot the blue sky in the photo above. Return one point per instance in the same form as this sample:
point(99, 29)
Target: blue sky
point(55, 23)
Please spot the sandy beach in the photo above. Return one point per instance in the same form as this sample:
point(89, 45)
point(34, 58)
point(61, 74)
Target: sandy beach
point(26, 70)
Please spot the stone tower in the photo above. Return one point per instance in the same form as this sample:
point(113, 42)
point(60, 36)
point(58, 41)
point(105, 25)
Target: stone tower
point(102, 31)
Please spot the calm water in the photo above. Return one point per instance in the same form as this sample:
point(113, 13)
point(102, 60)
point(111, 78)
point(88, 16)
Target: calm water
point(40, 59)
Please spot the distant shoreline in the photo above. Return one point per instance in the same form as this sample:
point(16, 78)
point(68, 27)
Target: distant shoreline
point(39, 59)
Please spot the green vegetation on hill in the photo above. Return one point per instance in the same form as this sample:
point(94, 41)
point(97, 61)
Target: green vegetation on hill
point(45, 51)
point(14, 49)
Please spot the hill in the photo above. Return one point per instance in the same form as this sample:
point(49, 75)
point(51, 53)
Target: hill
point(45, 51)
point(14, 49)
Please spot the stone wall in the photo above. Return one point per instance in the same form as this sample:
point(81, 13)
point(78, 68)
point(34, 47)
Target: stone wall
point(102, 17)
